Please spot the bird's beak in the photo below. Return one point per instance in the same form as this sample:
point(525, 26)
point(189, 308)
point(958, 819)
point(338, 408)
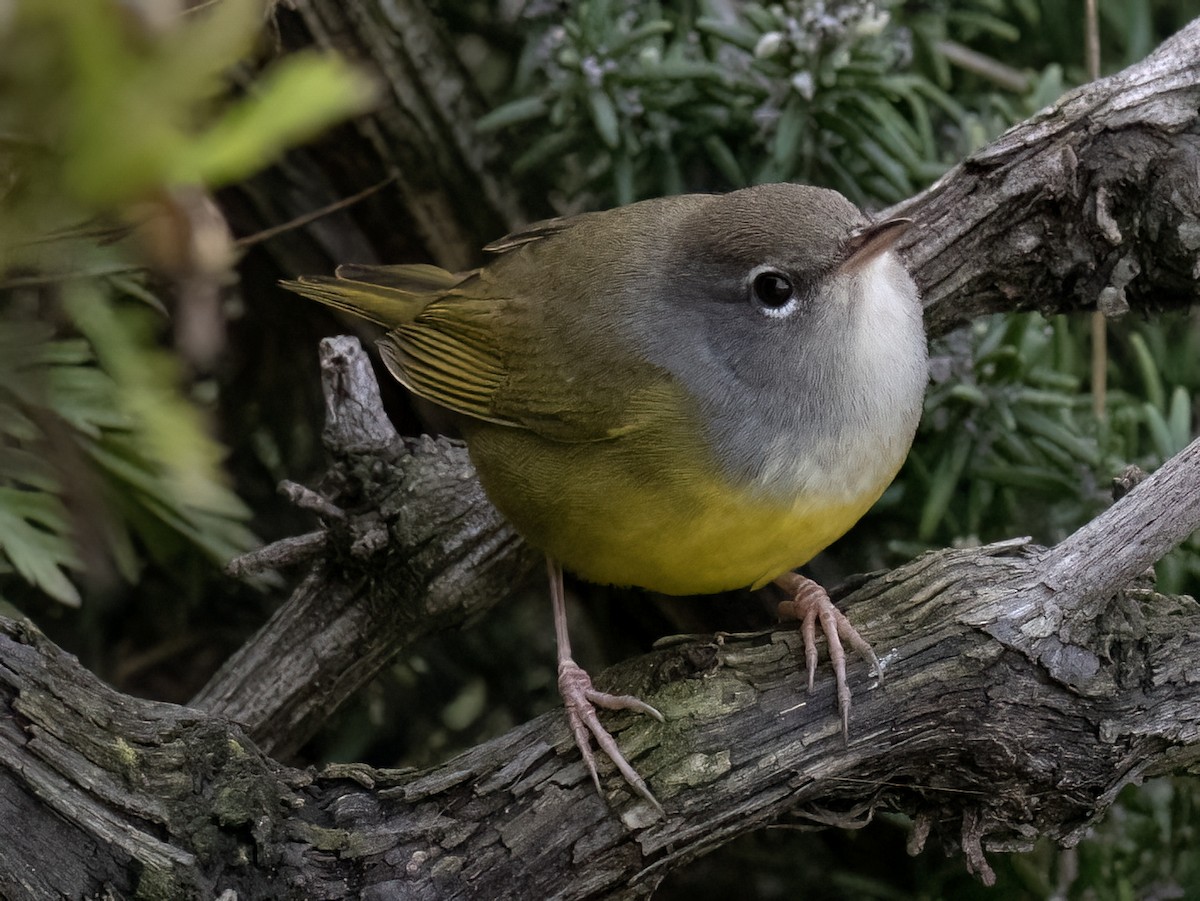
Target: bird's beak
point(869, 241)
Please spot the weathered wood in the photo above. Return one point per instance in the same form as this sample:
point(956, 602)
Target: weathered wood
point(1092, 203)
point(1024, 689)
point(417, 549)
point(978, 734)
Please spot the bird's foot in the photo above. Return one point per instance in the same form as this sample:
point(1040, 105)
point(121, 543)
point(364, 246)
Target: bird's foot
point(582, 699)
point(809, 602)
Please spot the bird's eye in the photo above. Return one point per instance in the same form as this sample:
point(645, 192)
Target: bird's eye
point(772, 291)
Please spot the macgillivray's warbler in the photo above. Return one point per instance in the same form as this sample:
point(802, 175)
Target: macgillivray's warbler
point(688, 394)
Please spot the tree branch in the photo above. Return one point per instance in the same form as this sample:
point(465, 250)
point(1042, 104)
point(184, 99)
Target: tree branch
point(419, 550)
point(1019, 701)
point(1092, 203)
point(975, 736)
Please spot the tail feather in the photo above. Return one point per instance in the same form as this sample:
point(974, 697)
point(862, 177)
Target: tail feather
point(419, 278)
point(381, 304)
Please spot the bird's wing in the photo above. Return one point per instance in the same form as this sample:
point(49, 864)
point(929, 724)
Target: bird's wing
point(487, 356)
point(448, 354)
point(500, 344)
point(535, 231)
point(414, 278)
point(445, 353)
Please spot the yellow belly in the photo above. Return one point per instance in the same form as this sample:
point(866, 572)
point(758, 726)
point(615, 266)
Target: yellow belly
point(726, 543)
point(612, 513)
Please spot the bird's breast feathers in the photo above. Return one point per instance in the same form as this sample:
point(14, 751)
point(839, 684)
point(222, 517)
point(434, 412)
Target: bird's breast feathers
point(843, 430)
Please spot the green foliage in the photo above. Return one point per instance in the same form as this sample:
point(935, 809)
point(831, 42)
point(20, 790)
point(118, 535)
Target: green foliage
point(1027, 33)
point(1146, 847)
point(606, 87)
point(35, 540)
point(108, 111)
point(827, 87)
point(158, 459)
point(1008, 424)
point(1010, 444)
point(114, 431)
point(133, 105)
point(614, 100)
point(628, 100)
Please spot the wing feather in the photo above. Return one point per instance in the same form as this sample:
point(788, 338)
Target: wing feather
point(481, 343)
point(414, 278)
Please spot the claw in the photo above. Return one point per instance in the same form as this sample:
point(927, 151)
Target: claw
point(581, 702)
point(582, 699)
point(810, 603)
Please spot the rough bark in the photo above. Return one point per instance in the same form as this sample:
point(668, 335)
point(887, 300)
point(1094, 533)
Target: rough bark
point(1025, 686)
point(1013, 708)
point(417, 549)
point(1092, 203)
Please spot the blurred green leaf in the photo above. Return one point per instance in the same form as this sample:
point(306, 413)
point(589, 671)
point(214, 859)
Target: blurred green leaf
point(513, 113)
point(1148, 370)
point(733, 33)
point(138, 109)
point(35, 539)
point(788, 132)
point(942, 487)
point(604, 116)
point(724, 160)
point(1179, 419)
point(108, 106)
point(299, 97)
point(639, 35)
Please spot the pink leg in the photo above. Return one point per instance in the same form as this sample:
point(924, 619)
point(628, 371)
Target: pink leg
point(809, 603)
point(575, 686)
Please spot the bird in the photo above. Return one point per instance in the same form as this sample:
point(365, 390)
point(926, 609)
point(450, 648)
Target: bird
point(686, 394)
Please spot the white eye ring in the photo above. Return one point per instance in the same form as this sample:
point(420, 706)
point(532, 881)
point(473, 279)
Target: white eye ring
point(772, 291)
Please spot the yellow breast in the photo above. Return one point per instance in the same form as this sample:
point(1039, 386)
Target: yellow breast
point(649, 514)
